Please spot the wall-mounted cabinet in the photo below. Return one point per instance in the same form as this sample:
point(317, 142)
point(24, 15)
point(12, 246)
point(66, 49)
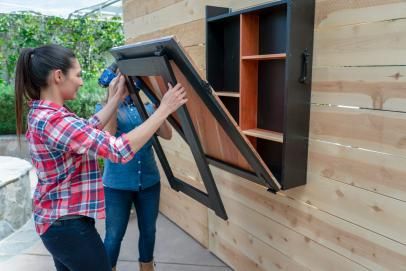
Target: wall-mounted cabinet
point(259, 62)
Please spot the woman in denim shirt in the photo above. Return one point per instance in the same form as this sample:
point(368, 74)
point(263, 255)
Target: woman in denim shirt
point(136, 182)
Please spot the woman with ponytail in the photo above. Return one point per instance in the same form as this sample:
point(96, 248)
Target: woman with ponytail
point(64, 150)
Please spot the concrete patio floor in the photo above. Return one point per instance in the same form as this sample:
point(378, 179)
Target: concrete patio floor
point(175, 250)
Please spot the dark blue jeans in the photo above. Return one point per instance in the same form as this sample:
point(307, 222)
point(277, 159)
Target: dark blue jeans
point(75, 245)
point(118, 207)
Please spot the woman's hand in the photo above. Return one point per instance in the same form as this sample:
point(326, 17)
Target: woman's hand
point(116, 93)
point(118, 88)
point(174, 98)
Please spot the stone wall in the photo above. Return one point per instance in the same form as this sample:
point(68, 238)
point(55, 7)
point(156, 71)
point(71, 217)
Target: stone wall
point(9, 147)
point(15, 194)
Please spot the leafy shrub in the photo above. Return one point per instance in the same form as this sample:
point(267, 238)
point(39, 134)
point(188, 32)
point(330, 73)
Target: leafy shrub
point(89, 37)
point(7, 109)
point(84, 104)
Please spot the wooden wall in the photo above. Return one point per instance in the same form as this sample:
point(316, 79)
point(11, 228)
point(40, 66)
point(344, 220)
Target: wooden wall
point(352, 213)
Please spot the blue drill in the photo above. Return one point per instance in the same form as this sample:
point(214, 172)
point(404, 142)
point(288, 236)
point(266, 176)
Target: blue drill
point(111, 72)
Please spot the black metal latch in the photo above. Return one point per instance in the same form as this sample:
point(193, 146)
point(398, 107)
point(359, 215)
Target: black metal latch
point(305, 64)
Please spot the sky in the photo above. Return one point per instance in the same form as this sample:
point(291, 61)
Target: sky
point(60, 8)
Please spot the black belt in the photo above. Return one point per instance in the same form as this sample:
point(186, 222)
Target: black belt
point(69, 217)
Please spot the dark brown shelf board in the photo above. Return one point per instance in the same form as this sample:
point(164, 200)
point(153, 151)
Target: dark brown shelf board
point(264, 134)
point(228, 94)
point(265, 57)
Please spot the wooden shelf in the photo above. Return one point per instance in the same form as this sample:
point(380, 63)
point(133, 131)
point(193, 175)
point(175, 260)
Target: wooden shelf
point(247, 61)
point(264, 57)
point(265, 134)
point(228, 94)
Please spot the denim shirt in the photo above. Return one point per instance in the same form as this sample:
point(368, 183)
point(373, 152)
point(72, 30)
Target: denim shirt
point(140, 172)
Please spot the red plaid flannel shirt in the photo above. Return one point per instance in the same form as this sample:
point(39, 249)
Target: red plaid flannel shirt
point(64, 150)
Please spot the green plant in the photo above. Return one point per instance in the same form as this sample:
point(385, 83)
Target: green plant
point(84, 104)
point(89, 37)
point(7, 109)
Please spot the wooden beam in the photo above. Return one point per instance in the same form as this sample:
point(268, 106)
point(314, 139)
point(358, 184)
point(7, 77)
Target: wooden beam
point(189, 34)
point(228, 94)
point(265, 134)
point(374, 130)
point(264, 57)
point(340, 234)
point(373, 171)
point(363, 208)
point(138, 8)
point(295, 246)
point(244, 251)
point(332, 13)
point(380, 43)
point(367, 87)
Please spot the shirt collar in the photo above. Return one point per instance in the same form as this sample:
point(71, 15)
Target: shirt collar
point(128, 100)
point(44, 104)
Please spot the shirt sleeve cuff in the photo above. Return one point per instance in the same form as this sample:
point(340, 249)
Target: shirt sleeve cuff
point(95, 122)
point(129, 151)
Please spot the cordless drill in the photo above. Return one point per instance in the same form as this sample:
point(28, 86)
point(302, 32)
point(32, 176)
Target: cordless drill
point(108, 74)
point(111, 72)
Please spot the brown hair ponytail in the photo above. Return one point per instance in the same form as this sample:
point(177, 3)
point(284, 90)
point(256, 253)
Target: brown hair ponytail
point(23, 86)
point(32, 71)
